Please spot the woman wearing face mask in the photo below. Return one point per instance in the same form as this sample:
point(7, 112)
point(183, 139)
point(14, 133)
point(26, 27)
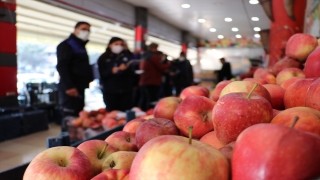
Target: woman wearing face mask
point(116, 77)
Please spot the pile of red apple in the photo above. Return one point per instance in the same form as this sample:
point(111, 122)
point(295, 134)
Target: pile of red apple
point(266, 127)
point(96, 119)
point(108, 120)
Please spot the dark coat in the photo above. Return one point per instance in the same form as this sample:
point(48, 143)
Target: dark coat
point(153, 70)
point(119, 82)
point(183, 73)
point(225, 72)
point(73, 64)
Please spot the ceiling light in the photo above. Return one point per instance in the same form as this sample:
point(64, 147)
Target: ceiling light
point(256, 29)
point(234, 29)
point(254, 2)
point(220, 36)
point(201, 20)
point(255, 19)
point(228, 19)
point(238, 36)
point(257, 35)
point(185, 6)
point(213, 30)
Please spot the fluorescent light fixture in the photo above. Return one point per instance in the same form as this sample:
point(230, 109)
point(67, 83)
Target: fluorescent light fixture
point(254, 2)
point(201, 20)
point(255, 19)
point(227, 19)
point(234, 29)
point(185, 6)
point(213, 30)
point(256, 29)
point(257, 35)
point(238, 36)
point(220, 36)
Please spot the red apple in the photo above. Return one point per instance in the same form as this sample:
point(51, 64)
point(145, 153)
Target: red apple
point(83, 114)
point(148, 117)
point(113, 174)
point(285, 63)
point(277, 95)
point(119, 160)
point(113, 114)
point(313, 95)
point(312, 65)
point(275, 112)
point(132, 126)
point(286, 84)
point(296, 94)
point(109, 123)
point(77, 122)
point(97, 151)
point(245, 86)
point(150, 111)
point(102, 111)
point(194, 111)
point(309, 119)
point(166, 107)
point(217, 90)
point(227, 150)
point(123, 141)
point(194, 90)
point(235, 112)
point(289, 73)
point(269, 78)
point(259, 72)
point(61, 162)
point(212, 140)
point(153, 128)
point(260, 81)
point(172, 157)
point(299, 46)
point(272, 151)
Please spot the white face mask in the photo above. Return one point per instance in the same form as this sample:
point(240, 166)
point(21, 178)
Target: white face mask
point(116, 49)
point(181, 58)
point(83, 35)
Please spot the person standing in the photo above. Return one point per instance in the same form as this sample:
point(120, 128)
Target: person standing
point(182, 74)
point(74, 70)
point(116, 76)
point(166, 85)
point(225, 72)
point(150, 79)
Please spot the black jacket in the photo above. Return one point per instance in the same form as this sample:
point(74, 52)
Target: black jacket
point(119, 82)
point(184, 73)
point(73, 64)
point(225, 72)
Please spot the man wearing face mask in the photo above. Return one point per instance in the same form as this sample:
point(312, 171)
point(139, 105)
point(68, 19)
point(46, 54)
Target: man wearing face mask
point(183, 74)
point(74, 69)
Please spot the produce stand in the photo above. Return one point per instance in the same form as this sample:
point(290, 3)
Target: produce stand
point(16, 173)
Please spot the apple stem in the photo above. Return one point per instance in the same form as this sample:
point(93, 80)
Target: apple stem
point(190, 134)
point(61, 163)
point(295, 119)
point(204, 119)
point(128, 139)
point(112, 164)
point(253, 88)
point(102, 152)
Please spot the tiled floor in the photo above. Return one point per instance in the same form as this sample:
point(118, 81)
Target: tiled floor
point(21, 150)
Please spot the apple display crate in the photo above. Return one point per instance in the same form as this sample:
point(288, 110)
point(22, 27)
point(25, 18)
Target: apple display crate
point(34, 121)
point(22, 123)
point(16, 173)
point(10, 127)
